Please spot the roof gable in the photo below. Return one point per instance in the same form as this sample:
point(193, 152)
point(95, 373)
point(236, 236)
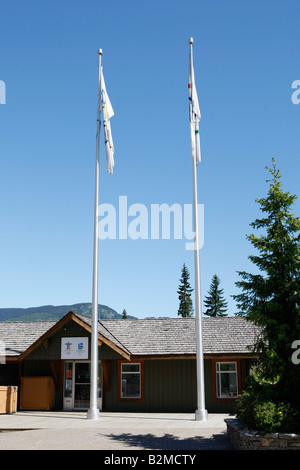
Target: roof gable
point(83, 321)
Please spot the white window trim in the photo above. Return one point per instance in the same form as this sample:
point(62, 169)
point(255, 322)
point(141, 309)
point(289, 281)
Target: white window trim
point(133, 373)
point(218, 382)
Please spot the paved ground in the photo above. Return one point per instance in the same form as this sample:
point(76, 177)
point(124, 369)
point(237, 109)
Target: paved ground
point(26, 430)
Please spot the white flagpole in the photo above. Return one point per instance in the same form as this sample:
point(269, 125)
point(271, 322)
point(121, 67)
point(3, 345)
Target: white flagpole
point(93, 412)
point(201, 413)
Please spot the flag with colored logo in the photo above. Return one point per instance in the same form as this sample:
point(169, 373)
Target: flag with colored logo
point(195, 114)
point(108, 112)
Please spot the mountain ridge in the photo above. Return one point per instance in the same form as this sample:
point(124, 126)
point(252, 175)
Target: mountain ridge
point(56, 312)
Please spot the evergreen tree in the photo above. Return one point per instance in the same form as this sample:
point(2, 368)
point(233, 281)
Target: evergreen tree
point(124, 314)
point(215, 302)
point(271, 297)
point(185, 292)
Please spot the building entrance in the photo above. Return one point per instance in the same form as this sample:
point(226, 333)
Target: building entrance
point(77, 385)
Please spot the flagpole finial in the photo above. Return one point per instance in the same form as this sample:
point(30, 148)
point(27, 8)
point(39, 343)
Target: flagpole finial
point(100, 52)
point(191, 41)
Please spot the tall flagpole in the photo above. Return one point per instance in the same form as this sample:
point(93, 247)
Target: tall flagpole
point(201, 413)
point(93, 412)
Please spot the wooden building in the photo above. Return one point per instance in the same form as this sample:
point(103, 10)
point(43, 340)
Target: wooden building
point(146, 365)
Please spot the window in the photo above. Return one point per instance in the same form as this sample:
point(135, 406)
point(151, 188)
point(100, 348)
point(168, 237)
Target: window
point(130, 380)
point(227, 383)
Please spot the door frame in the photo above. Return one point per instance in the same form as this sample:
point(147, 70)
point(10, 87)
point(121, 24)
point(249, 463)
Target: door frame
point(68, 401)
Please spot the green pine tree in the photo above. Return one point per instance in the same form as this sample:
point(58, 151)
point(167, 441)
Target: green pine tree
point(124, 314)
point(271, 298)
point(185, 292)
point(215, 302)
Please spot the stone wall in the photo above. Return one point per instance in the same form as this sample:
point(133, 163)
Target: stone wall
point(243, 438)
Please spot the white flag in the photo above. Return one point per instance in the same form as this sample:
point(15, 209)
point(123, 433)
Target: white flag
point(108, 112)
point(195, 114)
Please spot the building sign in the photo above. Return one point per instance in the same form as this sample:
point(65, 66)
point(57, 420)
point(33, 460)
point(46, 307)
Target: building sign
point(75, 348)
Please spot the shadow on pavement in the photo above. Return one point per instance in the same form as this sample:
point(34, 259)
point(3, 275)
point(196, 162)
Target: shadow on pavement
point(171, 442)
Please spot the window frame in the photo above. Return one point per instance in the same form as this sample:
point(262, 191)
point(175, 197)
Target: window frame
point(120, 374)
point(216, 373)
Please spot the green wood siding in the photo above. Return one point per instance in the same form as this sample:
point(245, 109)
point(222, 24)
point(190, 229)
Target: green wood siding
point(169, 386)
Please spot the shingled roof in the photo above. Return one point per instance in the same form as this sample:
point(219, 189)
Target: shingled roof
point(153, 337)
point(177, 336)
point(18, 336)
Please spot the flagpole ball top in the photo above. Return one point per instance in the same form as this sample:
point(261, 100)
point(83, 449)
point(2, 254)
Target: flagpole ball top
point(191, 41)
point(100, 52)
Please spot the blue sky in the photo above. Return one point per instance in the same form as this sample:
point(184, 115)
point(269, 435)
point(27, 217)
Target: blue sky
point(246, 57)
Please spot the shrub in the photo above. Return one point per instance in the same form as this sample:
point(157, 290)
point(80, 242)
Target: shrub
point(261, 414)
point(272, 417)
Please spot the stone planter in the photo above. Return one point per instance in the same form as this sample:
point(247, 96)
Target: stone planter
point(243, 438)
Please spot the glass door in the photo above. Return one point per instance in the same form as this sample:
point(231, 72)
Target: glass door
point(77, 385)
point(82, 385)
